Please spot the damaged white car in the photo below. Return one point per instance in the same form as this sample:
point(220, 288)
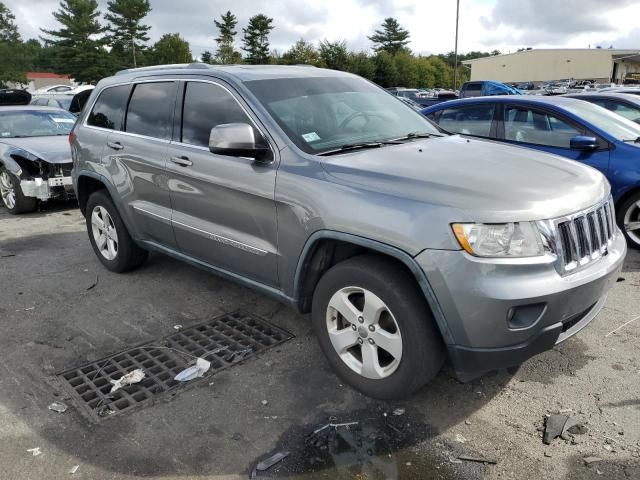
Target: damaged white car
point(35, 158)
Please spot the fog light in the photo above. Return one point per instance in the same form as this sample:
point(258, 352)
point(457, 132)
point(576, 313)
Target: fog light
point(525, 316)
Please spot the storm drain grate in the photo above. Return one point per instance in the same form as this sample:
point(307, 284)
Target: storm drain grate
point(223, 341)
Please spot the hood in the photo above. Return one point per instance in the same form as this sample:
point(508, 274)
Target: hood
point(489, 181)
point(53, 149)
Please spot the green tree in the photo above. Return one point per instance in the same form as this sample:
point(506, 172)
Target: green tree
point(407, 68)
point(392, 38)
point(334, 55)
point(302, 53)
point(256, 39)
point(79, 43)
point(426, 72)
point(226, 52)
point(207, 57)
point(386, 73)
point(171, 49)
point(8, 28)
point(126, 33)
point(361, 64)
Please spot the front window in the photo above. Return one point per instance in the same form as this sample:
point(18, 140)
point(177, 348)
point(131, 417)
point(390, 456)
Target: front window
point(321, 114)
point(525, 125)
point(35, 123)
point(618, 127)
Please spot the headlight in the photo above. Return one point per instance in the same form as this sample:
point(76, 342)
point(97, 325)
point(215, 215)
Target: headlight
point(508, 240)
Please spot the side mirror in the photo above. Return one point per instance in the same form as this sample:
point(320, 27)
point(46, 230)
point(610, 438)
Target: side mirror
point(237, 140)
point(583, 142)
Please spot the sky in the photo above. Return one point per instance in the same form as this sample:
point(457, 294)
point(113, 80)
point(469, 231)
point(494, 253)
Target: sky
point(485, 25)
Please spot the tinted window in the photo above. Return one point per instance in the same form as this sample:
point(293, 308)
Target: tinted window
point(205, 106)
point(150, 110)
point(473, 87)
point(522, 124)
point(471, 120)
point(109, 108)
point(627, 111)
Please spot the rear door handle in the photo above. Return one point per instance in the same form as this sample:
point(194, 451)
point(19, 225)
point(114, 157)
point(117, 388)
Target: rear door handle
point(182, 161)
point(115, 145)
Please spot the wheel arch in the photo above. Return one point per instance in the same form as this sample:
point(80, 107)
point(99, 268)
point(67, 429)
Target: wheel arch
point(326, 248)
point(634, 190)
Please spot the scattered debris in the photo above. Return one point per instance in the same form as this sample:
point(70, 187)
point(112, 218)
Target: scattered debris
point(94, 284)
point(620, 279)
point(590, 460)
point(58, 407)
point(238, 355)
point(467, 422)
point(29, 308)
point(399, 411)
point(454, 459)
point(561, 426)
point(489, 461)
point(264, 402)
point(74, 469)
point(34, 451)
point(333, 425)
point(177, 327)
point(196, 371)
point(6, 254)
point(547, 454)
point(269, 462)
point(460, 438)
point(130, 378)
point(621, 326)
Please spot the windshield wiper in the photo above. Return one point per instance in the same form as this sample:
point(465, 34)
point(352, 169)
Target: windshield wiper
point(412, 135)
point(359, 146)
point(631, 140)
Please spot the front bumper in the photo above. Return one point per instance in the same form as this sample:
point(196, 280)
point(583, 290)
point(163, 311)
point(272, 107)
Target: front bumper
point(42, 189)
point(478, 298)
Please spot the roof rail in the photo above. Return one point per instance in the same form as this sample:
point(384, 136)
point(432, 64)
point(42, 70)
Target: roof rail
point(174, 66)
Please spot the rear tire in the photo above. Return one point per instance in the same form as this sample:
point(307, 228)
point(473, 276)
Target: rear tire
point(375, 327)
point(12, 196)
point(628, 219)
point(109, 237)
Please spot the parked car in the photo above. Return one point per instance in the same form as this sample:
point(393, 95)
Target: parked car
point(35, 160)
point(486, 88)
point(525, 86)
point(55, 89)
point(319, 188)
point(627, 90)
point(563, 126)
point(72, 102)
point(623, 104)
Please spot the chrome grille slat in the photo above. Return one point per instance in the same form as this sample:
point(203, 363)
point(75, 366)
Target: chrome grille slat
point(584, 237)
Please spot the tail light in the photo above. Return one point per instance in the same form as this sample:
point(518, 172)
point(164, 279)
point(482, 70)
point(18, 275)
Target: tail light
point(72, 137)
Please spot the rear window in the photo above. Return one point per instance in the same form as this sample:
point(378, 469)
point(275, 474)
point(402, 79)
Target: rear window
point(473, 87)
point(150, 110)
point(108, 110)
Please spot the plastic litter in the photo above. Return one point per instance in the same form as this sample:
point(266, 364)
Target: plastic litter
point(58, 407)
point(196, 371)
point(34, 451)
point(130, 378)
point(333, 425)
point(460, 438)
point(267, 463)
point(74, 469)
point(399, 411)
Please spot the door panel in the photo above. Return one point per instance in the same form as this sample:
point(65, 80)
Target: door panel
point(223, 207)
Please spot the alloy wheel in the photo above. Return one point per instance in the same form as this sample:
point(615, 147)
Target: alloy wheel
point(104, 233)
point(7, 190)
point(364, 332)
point(631, 222)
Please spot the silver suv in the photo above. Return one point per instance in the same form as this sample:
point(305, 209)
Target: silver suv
point(407, 245)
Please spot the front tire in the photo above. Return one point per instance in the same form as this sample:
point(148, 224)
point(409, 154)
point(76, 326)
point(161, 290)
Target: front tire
point(12, 196)
point(109, 237)
point(375, 328)
point(629, 220)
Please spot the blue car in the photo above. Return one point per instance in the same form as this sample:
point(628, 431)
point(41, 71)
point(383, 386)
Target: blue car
point(563, 126)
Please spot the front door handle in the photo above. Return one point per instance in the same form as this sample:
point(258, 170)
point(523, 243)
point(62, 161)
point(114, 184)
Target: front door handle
point(182, 161)
point(115, 145)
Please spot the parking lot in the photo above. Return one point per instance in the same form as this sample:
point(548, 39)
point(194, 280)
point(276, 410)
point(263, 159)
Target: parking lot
point(60, 308)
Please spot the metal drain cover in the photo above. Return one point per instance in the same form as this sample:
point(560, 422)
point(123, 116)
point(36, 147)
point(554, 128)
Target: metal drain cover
point(223, 341)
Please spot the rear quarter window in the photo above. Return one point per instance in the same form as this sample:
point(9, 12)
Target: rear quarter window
point(108, 111)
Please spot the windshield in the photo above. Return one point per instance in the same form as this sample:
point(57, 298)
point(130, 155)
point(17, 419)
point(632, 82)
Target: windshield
point(35, 123)
point(326, 113)
point(609, 122)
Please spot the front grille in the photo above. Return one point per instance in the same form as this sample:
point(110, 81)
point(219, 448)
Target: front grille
point(585, 237)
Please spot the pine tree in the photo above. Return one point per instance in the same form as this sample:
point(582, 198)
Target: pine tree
point(302, 53)
point(256, 39)
point(334, 54)
point(8, 29)
point(79, 43)
point(207, 57)
point(226, 52)
point(126, 33)
point(171, 49)
point(392, 38)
